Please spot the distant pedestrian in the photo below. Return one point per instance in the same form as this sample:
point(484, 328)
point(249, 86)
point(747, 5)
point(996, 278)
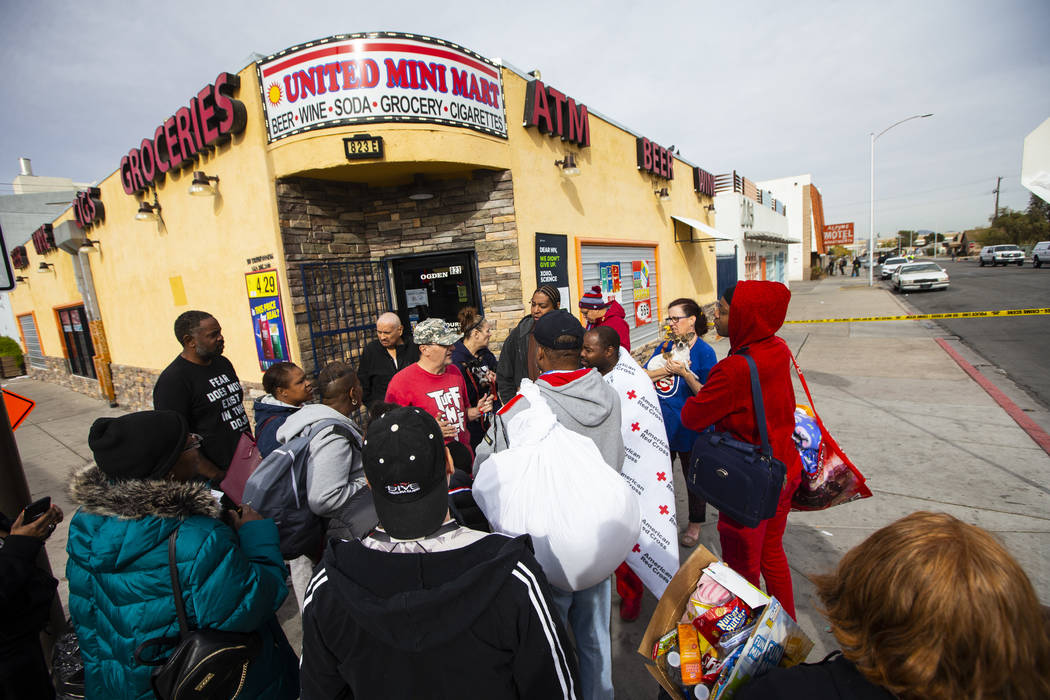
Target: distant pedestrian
point(202, 387)
point(842, 266)
point(856, 267)
point(517, 358)
point(384, 357)
point(831, 266)
point(424, 607)
point(287, 388)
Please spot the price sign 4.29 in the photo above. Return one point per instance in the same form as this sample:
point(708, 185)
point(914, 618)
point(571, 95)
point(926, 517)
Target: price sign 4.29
point(262, 284)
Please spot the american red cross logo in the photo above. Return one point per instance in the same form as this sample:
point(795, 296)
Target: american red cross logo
point(661, 476)
point(663, 510)
point(635, 427)
point(637, 548)
point(632, 394)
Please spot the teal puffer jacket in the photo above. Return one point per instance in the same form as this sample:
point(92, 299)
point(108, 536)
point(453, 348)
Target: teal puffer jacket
point(120, 589)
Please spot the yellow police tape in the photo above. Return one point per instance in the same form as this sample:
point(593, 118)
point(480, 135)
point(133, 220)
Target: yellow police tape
point(923, 317)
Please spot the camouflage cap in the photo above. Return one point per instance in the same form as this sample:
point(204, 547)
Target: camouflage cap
point(433, 332)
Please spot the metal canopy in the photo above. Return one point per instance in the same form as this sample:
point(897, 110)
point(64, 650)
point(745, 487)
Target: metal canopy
point(713, 234)
point(769, 237)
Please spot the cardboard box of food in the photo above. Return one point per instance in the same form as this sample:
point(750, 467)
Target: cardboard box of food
point(776, 637)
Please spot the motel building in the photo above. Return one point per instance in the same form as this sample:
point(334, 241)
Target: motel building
point(299, 198)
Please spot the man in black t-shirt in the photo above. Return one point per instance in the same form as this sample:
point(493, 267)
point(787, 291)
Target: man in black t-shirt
point(202, 385)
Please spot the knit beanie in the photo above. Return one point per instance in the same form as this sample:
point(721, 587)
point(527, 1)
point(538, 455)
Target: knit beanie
point(143, 445)
point(593, 299)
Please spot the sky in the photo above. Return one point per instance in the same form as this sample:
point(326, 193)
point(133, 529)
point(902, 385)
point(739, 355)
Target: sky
point(769, 89)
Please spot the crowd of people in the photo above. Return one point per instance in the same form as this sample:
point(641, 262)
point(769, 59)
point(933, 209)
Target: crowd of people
point(407, 592)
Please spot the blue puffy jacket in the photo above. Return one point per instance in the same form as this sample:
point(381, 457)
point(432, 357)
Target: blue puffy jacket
point(270, 414)
point(120, 590)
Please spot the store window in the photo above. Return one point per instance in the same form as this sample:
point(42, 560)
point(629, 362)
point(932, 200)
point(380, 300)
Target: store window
point(435, 286)
point(627, 274)
point(76, 339)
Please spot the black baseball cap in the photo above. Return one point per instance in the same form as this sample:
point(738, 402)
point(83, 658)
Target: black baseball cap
point(404, 460)
point(553, 325)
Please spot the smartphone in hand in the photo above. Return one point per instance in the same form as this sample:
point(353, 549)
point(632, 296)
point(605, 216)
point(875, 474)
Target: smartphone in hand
point(36, 509)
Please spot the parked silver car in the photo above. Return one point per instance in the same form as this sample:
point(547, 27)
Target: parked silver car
point(920, 275)
point(889, 265)
point(1041, 253)
point(1001, 255)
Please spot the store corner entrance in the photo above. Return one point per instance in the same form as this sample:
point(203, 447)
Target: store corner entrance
point(439, 286)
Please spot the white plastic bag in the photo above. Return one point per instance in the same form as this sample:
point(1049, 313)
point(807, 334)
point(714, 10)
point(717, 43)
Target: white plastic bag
point(554, 485)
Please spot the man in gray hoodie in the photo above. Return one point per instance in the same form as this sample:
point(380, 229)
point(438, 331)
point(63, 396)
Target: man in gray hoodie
point(585, 404)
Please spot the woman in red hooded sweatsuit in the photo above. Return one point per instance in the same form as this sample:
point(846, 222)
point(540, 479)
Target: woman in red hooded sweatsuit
point(755, 312)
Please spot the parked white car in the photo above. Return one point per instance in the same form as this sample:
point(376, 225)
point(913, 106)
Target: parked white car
point(920, 275)
point(1001, 255)
point(1041, 253)
point(890, 265)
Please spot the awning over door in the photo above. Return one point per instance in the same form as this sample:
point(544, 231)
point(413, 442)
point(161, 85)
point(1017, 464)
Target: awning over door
point(707, 234)
point(769, 237)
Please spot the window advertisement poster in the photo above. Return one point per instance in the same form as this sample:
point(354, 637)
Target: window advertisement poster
point(552, 263)
point(380, 77)
point(640, 273)
point(643, 312)
point(264, 303)
point(609, 274)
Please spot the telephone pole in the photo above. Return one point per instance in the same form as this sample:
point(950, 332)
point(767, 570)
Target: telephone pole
point(996, 214)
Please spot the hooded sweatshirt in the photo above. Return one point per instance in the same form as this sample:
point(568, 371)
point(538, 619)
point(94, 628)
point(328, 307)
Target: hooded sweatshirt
point(335, 476)
point(473, 621)
point(756, 313)
point(270, 415)
point(615, 318)
point(582, 402)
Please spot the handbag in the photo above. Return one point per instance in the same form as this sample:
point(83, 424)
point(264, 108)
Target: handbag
point(833, 479)
point(739, 479)
point(246, 459)
point(206, 664)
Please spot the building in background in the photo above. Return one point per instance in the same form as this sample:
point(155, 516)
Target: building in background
point(805, 216)
point(756, 228)
point(35, 199)
point(300, 197)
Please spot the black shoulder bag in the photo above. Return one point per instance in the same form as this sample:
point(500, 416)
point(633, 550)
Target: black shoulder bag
point(206, 664)
point(739, 479)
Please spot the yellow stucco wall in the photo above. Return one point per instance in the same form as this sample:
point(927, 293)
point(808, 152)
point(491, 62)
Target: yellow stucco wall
point(609, 199)
point(206, 241)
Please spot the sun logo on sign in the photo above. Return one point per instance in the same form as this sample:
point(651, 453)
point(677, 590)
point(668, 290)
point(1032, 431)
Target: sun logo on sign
point(273, 94)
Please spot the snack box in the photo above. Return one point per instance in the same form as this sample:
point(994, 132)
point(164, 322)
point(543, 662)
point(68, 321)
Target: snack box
point(776, 639)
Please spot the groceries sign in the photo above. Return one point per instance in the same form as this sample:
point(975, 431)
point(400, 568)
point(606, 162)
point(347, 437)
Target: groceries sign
point(380, 77)
point(838, 234)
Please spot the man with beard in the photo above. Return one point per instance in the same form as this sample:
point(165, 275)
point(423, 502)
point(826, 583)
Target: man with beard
point(202, 386)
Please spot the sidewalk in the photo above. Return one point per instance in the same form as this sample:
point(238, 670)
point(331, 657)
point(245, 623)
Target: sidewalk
point(924, 433)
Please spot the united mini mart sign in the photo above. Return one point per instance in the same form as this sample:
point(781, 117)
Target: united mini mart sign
point(380, 77)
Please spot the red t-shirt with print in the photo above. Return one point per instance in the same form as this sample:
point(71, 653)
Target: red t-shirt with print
point(442, 395)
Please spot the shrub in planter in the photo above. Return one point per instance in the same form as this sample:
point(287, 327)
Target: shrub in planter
point(9, 347)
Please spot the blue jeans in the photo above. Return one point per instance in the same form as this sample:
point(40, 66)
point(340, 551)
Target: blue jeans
point(587, 613)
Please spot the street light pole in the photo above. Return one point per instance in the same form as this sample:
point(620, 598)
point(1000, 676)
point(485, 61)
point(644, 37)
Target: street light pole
point(871, 232)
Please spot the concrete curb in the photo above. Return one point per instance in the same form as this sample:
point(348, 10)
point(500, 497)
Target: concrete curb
point(1015, 412)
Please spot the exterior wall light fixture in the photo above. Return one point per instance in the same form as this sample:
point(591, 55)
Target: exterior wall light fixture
point(90, 246)
point(202, 184)
point(20, 278)
point(568, 165)
point(709, 207)
point(46, 267)
point(149, 212)
point(663, 193)
point(420, 191)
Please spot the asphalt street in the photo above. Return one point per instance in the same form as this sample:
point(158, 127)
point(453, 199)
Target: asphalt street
point(1017, 346)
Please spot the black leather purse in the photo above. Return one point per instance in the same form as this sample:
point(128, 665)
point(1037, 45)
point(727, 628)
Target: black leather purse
point(206, 664)
point(739, 479)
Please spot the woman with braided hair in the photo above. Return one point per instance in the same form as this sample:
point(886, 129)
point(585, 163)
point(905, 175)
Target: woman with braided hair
point(517, 360)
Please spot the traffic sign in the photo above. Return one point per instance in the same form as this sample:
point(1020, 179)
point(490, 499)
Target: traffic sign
point(18, 407)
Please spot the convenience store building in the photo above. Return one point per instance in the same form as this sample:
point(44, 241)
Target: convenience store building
point(344, 177)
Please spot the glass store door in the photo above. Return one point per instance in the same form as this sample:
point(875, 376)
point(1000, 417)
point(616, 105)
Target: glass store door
point(435, 286)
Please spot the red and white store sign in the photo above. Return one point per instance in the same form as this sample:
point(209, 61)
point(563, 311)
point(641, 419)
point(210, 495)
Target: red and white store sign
point(380, 77)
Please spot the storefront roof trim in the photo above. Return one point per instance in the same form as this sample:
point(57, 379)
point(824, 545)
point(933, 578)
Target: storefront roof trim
point(713, 234)
point(769, 237)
